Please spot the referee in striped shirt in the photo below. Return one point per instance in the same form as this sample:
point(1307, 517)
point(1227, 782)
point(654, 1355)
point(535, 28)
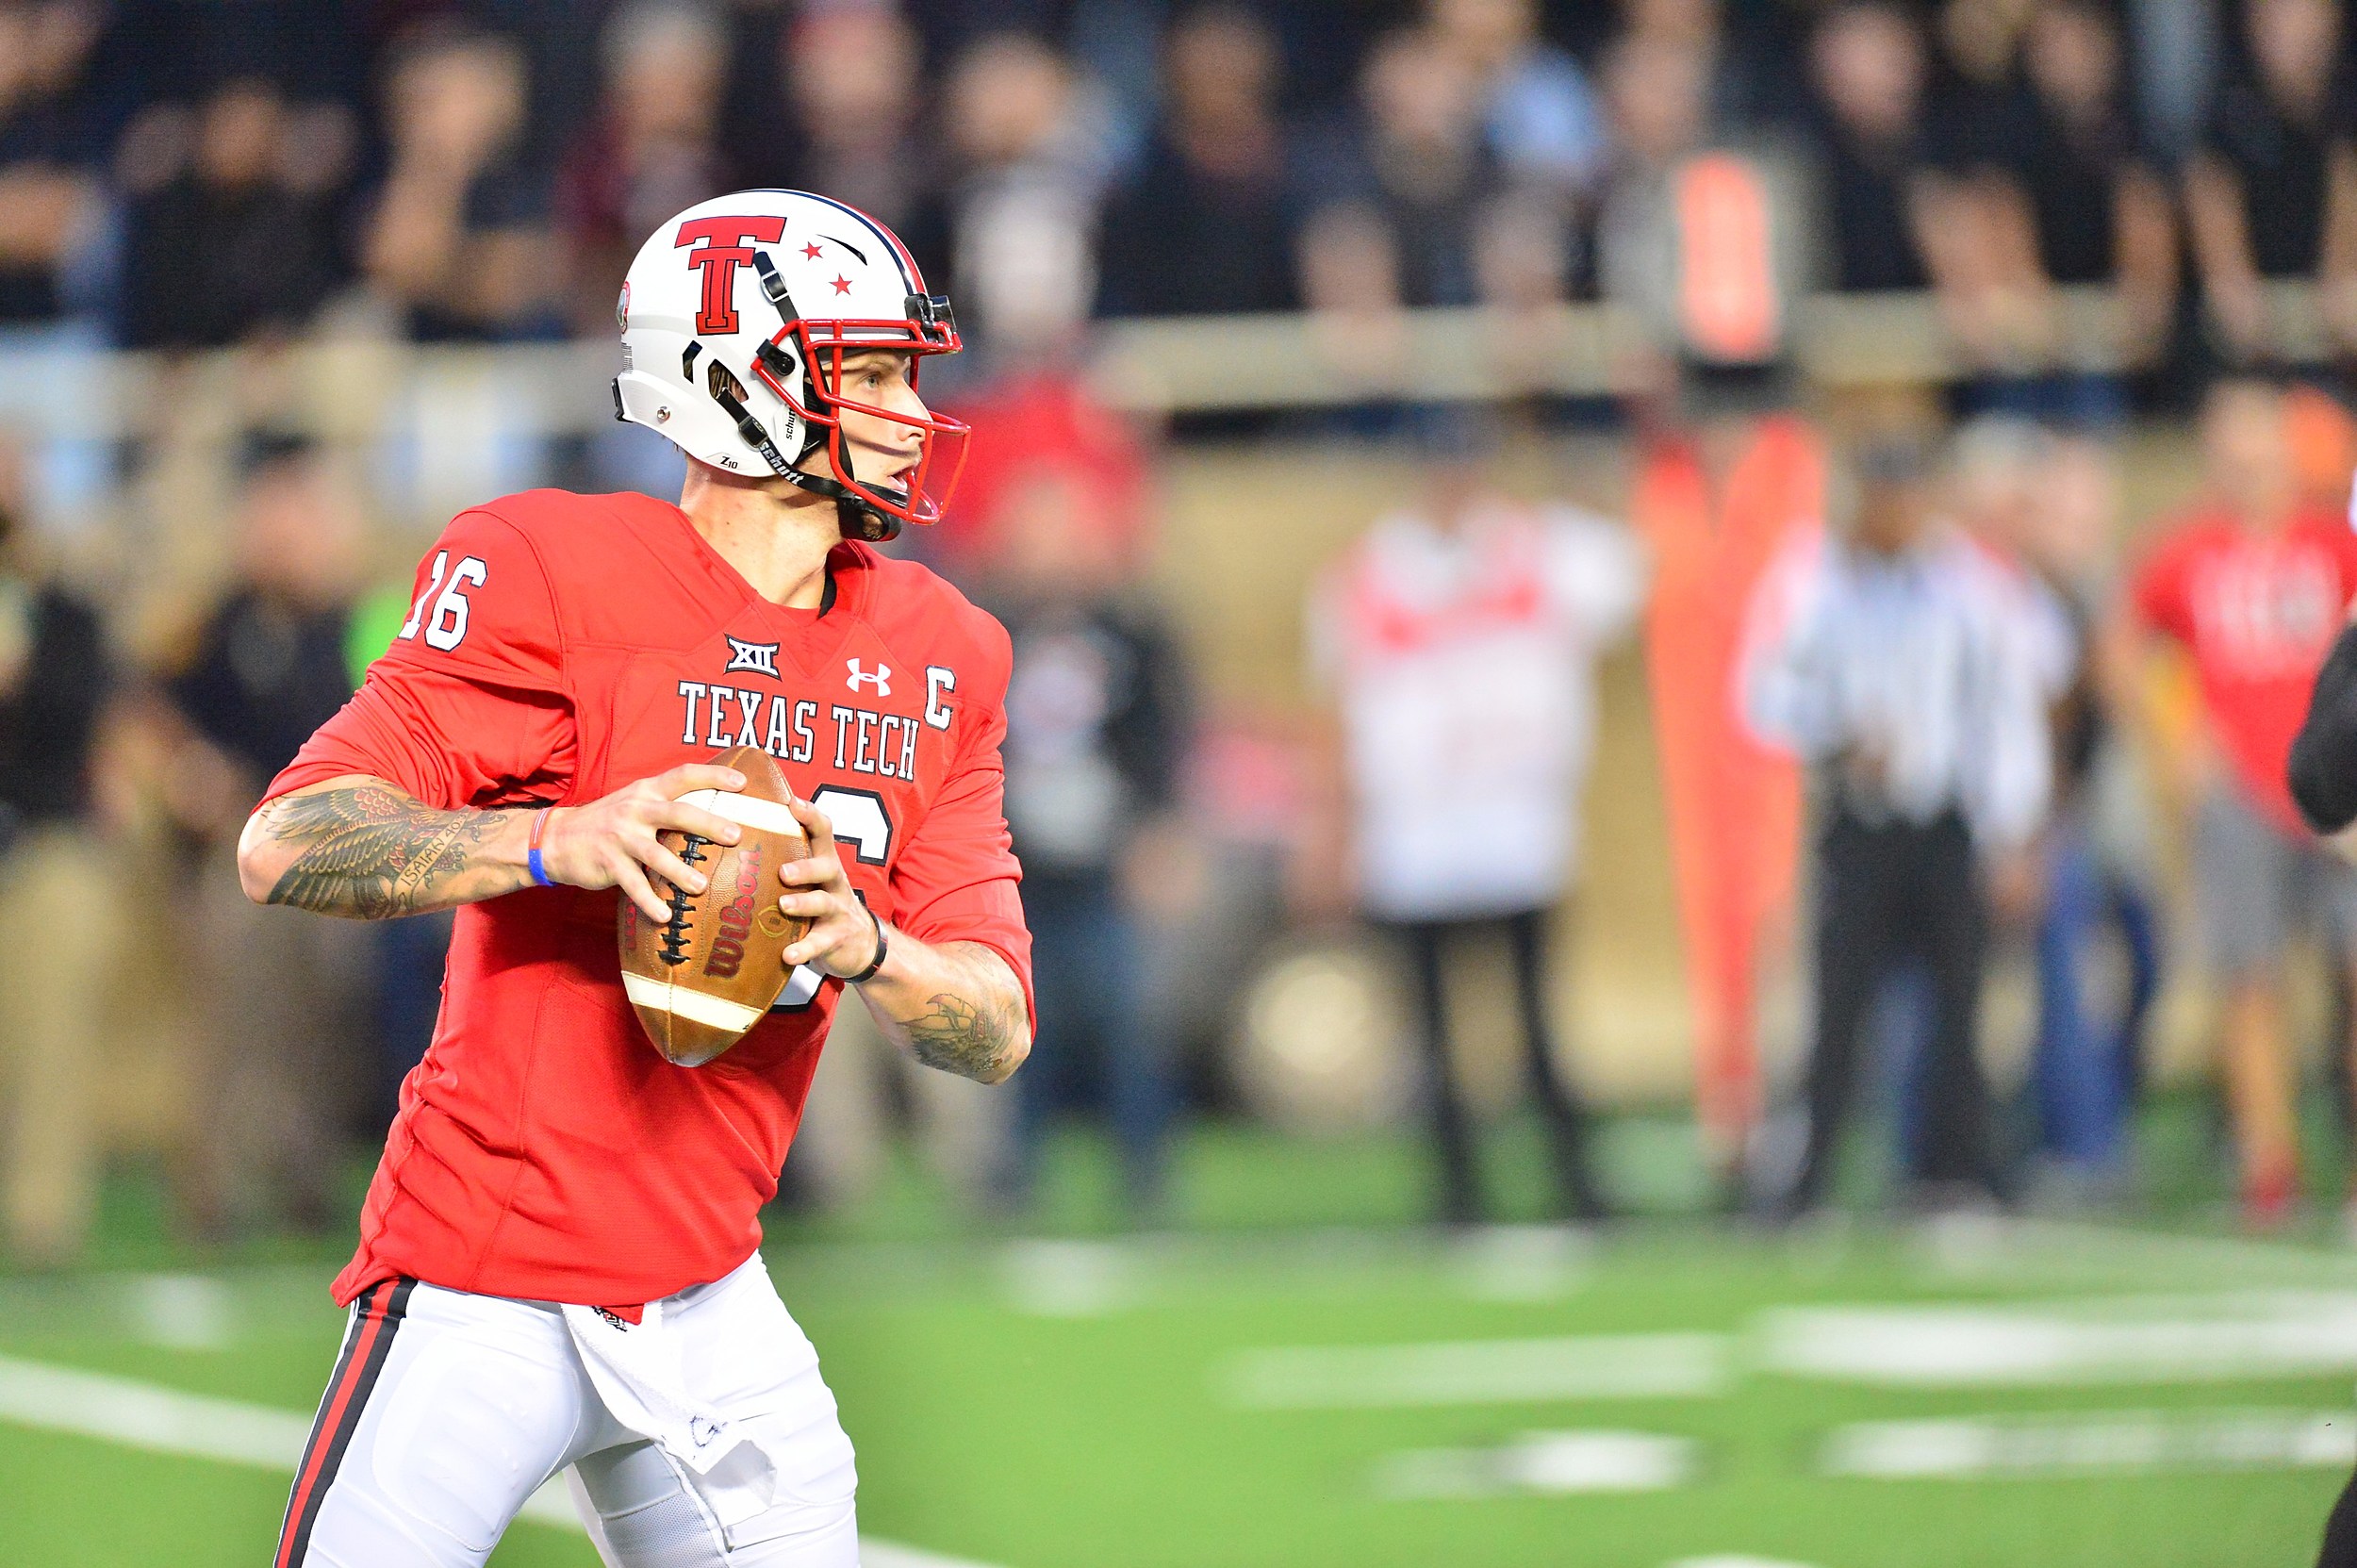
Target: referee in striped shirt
point(1899, 675)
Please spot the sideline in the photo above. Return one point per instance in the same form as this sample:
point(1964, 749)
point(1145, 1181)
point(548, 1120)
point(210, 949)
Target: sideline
point(167, 1421)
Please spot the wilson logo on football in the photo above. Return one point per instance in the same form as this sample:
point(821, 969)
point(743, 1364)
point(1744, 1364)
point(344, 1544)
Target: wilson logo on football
point(737, 920)
point(880, 677)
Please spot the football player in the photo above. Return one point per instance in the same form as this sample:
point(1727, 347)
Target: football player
point(558, 1268)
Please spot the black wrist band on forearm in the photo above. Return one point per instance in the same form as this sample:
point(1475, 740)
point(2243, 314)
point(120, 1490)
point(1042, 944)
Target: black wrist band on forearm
point(881, 948)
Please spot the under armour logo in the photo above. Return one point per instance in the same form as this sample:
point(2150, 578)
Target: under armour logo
point(759, 657)
point(880, 677)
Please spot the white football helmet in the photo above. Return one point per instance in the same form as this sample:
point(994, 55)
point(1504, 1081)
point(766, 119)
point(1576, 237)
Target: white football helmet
point(735, 318)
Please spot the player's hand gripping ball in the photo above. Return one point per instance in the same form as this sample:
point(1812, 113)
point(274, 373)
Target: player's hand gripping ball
point(707, 974)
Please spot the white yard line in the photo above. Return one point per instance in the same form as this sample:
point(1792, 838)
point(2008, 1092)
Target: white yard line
point(1980, 1247)
point(168, 1421)
point(1071, 1279)
point(1541, 1463)
point(1479, 1372)
point(2121, 1340)
point(2217, 1337)
point(146, 1415)
point(2090, 1442)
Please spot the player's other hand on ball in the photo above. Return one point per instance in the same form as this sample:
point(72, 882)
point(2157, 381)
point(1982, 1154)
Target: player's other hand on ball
point(614, 842)
point(841, 937)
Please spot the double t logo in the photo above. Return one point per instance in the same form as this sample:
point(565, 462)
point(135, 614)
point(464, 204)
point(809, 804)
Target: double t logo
point(721, 246)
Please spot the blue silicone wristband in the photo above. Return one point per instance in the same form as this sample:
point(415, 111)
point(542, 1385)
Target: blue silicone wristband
point(540, 877)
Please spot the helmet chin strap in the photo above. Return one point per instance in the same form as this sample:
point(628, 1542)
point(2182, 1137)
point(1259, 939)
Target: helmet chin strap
point(854, 513)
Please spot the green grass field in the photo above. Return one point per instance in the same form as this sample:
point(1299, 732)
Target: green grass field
point(1671, 1392)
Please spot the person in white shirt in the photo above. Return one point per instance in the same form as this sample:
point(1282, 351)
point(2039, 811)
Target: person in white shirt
point(1897, 671)
point(1461, 640)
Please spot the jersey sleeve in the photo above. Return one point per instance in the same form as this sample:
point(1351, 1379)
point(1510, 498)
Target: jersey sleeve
point(469, 706)
point(955, 879)
point(481, 607)
point(446, 739)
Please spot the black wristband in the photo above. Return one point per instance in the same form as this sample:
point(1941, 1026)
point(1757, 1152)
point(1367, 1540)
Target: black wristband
point(882, 949)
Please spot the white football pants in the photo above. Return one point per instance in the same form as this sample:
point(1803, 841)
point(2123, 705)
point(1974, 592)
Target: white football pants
point(708, 1438)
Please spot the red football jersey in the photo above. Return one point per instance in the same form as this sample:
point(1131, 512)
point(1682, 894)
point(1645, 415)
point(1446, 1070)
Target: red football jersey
point(562, 646)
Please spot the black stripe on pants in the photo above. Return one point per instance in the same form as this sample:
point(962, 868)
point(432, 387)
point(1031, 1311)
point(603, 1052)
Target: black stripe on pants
point(376, 1318)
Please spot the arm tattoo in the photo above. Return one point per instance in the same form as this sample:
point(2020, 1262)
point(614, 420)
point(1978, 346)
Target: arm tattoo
point(969, 1035)
point(371, 853)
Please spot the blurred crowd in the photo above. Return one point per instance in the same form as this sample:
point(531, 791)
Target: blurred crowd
point(1923, 696)
point(1922, 673)
point(175, 176)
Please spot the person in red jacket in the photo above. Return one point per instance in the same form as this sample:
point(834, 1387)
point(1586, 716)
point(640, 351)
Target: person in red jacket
point(558, 1268)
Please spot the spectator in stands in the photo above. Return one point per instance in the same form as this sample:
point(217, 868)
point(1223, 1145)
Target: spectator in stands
point(2254, 585)
point(2041, 182)
point(1656, 90)
point(1459, 637)
point(283, 1074)
point(850, 74)
point(1203, 226)
point(1975, 105)
point(1866, 59)
point(234, 221)
point(50, 143)
point(2271, 193)
point(1395, 198)
point(649, 152)
point(1705, 242)
point(1098, 725)
point(459, 241)
point(1895, 674)
point(1539, 114)
point(2098, 206)
point(1023, 208)
point(54, 688)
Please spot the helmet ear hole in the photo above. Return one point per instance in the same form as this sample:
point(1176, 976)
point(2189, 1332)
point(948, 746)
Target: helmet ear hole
point(720, 382)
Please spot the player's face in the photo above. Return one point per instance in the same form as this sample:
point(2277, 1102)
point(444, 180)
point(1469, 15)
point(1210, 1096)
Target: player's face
point(882, 450)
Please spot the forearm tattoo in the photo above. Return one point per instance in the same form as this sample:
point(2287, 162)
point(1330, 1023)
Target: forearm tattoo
point(371, 853)
point(975, 1033)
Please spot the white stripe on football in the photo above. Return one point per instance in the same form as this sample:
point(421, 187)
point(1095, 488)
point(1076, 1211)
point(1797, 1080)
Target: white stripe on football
point(695, 1006)
point(746, 811)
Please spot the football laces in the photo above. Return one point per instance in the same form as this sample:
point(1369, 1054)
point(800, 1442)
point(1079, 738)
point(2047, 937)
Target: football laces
point(675, 930)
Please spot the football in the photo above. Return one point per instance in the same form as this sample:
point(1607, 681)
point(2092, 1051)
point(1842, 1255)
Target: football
point(701, 979)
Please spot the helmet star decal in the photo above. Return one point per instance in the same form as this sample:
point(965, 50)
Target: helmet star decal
point(842, 284)
point(812, 250)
